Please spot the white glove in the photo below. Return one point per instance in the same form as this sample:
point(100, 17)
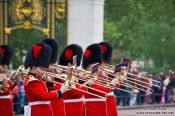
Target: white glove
point(114, 81)
point(2, 77)
point(12, 75)
point(63, 88)
point(89, 82)
point(74, 79)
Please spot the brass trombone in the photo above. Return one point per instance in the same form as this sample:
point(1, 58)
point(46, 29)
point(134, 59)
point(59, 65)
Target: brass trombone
point(88, 76)
point(125, 78)
point(130, 85)
point(103, 82)
point(23, 72)
point(123, 70)
point(7, 76)
point(4, 69)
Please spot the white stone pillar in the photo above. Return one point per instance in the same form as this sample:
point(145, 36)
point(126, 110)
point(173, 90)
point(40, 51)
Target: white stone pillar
point(85, 21)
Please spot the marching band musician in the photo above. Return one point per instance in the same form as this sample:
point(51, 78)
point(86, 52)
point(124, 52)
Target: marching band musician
point(38, 96)
point(74, 105)
point(107, 54)
point(56, 105)
point(6, 85)
point(94, 106)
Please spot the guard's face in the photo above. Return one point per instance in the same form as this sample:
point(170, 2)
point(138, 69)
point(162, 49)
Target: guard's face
point(40, 71)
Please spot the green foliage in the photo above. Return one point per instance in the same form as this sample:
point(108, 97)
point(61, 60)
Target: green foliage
point(142, 29)
point(21, 41)
point(112, 33)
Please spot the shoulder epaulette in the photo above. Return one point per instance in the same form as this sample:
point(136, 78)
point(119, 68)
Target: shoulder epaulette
point(31, 78)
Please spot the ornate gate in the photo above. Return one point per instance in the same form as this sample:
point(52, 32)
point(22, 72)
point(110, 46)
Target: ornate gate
point(47, 16)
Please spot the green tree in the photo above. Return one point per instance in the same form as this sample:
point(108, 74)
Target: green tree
point(21, 41)
point(142, 29)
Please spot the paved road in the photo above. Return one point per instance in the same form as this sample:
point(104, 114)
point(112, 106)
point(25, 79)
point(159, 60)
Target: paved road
point(151, 110)
point(155, 110)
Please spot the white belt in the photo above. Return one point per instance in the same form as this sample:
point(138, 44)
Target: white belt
point(110, 94)
point(74, 100)
point(95, 99)
point(39, 103)
point(5, 97)
point(84, 100)
point(27, 109)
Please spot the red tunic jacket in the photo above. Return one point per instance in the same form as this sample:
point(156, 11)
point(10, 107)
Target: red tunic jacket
point(6, 103)
point(111, 105)
point(57, 105)
point(103, 108)
point(36, 90)
point(97, 107)
point(74, 104)
point(110, 101)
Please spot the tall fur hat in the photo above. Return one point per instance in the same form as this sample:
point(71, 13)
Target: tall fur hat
point(54, 45)
point(92, 54)
point(67, 55)
point(38, 55)
point(5, 54)
point(106, 51)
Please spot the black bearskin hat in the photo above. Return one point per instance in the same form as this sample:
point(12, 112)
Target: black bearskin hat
point(92, 54)
point(5, 54)
point(67, 55)
point(54, 45)
point(106, 51)
point(38, 55)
